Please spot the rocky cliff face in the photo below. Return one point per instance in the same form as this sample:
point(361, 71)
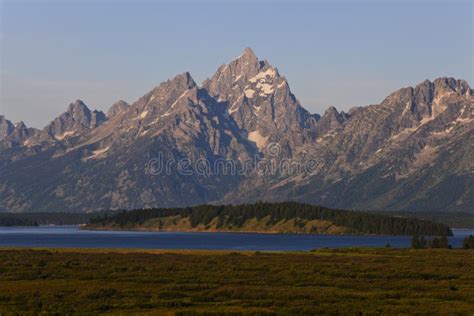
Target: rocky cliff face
point(6, 127)
point(413, 151)
point(259, 100)
point(181, 144)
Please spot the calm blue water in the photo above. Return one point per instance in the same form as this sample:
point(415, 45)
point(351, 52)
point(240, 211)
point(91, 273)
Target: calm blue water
point(73, 237)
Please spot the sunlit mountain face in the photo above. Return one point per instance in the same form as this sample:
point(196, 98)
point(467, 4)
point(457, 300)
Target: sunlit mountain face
point(243, 136)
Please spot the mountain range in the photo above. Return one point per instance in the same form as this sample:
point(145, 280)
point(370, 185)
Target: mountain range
point(412, 152)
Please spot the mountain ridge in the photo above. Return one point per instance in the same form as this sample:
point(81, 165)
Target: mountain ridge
point(396, 155)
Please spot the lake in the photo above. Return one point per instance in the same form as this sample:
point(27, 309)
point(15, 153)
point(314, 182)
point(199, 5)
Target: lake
point(73, 237)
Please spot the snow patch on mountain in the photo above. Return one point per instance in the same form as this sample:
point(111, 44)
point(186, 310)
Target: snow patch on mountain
point(265, 88)
point(64, 135)
point(249, 93)
point(258, 139)
point(99, 153)
point(263, 75)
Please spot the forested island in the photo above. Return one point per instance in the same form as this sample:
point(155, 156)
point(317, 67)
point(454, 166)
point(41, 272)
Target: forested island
point(263, 217)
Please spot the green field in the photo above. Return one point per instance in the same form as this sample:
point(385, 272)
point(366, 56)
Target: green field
point(351, 281)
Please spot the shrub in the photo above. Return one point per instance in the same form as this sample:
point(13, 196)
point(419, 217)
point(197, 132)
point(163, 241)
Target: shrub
point(468, 242)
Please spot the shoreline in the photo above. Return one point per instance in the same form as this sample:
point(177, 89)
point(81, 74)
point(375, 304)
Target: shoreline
point(158, 251)
point(142, 230)
point(268, 232)
point(249, 232)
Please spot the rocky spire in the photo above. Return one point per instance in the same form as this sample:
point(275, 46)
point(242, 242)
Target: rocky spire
point(21, 132)
point(77, 119)
point(15, 133)
point(412, 106)
point(330, 120)
point(247, 54)
point(259, 100)
point(239, 70)
point(6, 127)
point(116, 108)
point(445, 84)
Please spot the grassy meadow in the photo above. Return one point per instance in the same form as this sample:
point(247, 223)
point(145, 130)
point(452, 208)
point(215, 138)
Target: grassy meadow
point(341, 281)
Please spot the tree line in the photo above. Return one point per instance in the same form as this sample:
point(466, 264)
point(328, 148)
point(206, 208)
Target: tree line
point(36, 219)
point(420, 242)
point(16, 221)
point(235, 215)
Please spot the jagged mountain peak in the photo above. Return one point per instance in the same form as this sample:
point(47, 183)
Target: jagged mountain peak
point(179, 83)
point(418, 137)
point(3, 119)
point(247, 57)
point(183, 80)
point(118, 107)
point(238, 71)
point(428, 90)
point(120, 103)
point(162, 97)
point(248, 53)
point(449, 84)
point(333, 114)
point(16, 133)
point(259, 99)
point(78, 104)
point(330, 120)
point(248, 62)
point(81, 113)
point(422, 102)
point(77, 119)
point(436, 87)
point(245, 77)
point(6, 127)
point(20, 124)
point(331, 111)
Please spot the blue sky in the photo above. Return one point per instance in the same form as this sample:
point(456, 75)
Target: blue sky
point(333, 53)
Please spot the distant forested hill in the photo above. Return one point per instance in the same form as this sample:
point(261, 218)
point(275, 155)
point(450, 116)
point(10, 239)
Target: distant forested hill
point(284, 217)
point(35, 219)
point(9, 220)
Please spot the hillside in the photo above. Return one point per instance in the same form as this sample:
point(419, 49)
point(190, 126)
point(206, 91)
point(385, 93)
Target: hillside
point(285, 217)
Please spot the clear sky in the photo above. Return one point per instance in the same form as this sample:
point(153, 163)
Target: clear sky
point(340, 53)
